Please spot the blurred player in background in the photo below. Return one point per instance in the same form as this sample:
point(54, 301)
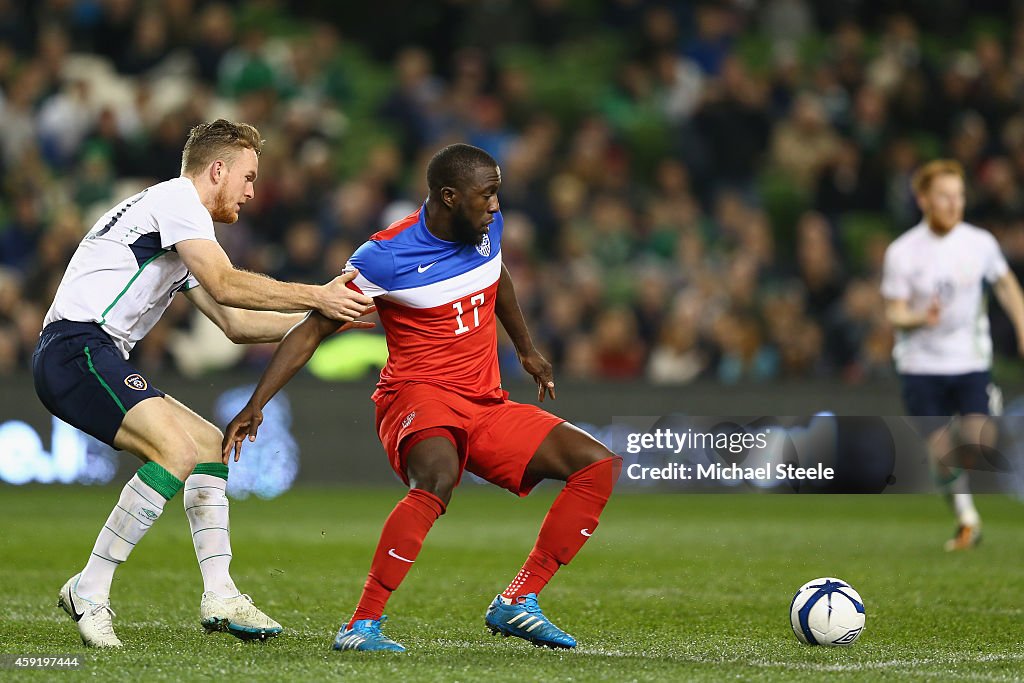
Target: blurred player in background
point(438, 282)
point(933, 284)
point(119, 282)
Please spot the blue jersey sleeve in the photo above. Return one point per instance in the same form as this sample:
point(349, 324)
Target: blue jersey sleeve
point(376, 266)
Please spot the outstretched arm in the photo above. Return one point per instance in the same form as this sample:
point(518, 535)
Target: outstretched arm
point(242, 289)
point(1007, 290)
point(506, 307)
point(294, 352)
point(900, 316)
point(243, 326)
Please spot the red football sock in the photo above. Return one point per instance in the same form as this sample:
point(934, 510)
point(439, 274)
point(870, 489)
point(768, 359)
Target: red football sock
point(569, 523)
point(400, 543)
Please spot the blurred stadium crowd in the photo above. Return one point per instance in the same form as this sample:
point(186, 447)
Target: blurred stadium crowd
point(691, 190)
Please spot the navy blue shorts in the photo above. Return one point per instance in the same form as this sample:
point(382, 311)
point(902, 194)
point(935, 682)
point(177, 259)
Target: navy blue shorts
point(947, 395)
point(82, 378)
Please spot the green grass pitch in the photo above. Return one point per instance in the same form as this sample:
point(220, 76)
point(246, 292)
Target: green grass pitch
point(671, 587)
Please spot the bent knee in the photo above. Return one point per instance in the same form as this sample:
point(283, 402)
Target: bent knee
point(595, 452)
point(585, 456)
point(178, 456)
point(208, 443)
point(440, 484)
point(187, 453)
point(602, 459)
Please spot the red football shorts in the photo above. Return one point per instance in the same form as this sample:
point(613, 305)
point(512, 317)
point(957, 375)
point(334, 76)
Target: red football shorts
point(497, 437)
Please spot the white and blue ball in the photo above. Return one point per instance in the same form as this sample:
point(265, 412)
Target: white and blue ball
point(827, 611)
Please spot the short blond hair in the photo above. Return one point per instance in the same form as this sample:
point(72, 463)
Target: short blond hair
point(220, 139)
point(923, 177)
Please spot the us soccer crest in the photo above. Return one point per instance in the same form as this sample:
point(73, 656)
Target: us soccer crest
point(484, 248)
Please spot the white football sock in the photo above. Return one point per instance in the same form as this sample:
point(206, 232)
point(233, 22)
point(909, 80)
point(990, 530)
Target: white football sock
point(966, 513)
point(206, 506)
point(959, 491)
point(137, 509)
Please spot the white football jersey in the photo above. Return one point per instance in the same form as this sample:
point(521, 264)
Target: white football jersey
point(126, 270)
point(921, 266)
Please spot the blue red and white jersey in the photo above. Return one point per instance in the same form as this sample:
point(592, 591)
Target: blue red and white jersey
point(436, 302)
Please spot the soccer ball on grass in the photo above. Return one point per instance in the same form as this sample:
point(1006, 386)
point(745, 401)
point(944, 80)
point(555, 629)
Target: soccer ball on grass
point(827, 611)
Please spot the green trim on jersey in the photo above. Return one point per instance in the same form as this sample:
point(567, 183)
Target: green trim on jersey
point(152, 258)
point(92, 369)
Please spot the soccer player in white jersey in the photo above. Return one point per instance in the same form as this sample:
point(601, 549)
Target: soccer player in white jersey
point(119, 282)
point(933, 284)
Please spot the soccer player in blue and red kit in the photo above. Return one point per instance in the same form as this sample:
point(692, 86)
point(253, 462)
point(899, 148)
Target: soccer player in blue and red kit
point(437, 279)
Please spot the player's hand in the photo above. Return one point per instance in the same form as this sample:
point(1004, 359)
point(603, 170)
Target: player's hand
point(933, 313)
point(539, 367)
point(340, 303)
point(245, 424)
point(359, 324)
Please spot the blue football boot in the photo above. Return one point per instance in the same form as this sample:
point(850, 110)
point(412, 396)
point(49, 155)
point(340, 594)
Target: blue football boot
point(365, 635)
point(523, 619)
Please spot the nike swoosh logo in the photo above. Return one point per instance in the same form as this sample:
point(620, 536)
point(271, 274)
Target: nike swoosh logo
point(74, 610)
point(423, 269)
point(395, 555)
point(586, 532)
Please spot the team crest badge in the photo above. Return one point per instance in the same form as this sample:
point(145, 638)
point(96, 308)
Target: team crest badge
point(136, 382)
point(408, 419)
point(484, 248)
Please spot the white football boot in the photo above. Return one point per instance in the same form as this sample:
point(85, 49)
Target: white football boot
point(93, 618)
point(238, 616)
